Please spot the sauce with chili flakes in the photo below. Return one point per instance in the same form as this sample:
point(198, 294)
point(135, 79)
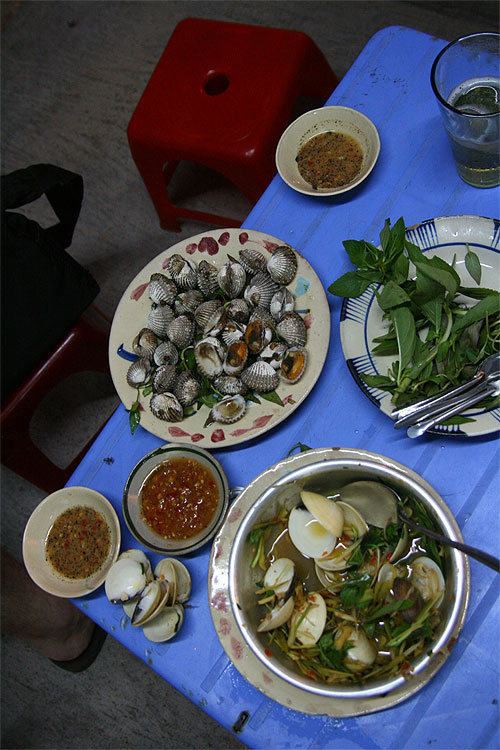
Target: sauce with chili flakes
point(78, 542)
point(329, 160)
point(179, 498)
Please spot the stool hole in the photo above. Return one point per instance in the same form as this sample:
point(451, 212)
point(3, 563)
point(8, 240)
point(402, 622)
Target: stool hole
point(215, 84)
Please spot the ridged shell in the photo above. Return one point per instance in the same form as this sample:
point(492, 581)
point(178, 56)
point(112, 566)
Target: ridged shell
point(292, 329)
point(145, 343)
point(229, 385)
point(232, 332)
point(166, 354)
point(187, 388)
point(252, 260)
point(164, 378)
point(228, 410)
point(209, 355)
point(207, 278)
point(205, 310)
point(257, 336)
point(216, 322)
point(236, 357)
point(282, 302)
point(238, 310)
point(274, 353)
point(162, 290)
point(262, 313)
point(139, 372)
point(260, 376)
point(260, 290)
point(183, 271)
point(232, 278)
point(159, 319)
point(282, 265)
point(181, 331)
point(293, 364)
point(188, 301)
point(167, 407)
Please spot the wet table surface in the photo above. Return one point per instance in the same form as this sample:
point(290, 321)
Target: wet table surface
point(415, 178)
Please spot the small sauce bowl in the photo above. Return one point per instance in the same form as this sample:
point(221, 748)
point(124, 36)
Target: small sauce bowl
point(183, 540)
point(37, 531)
point(326, 119)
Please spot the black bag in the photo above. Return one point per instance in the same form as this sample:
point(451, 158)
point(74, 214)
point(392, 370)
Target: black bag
point(44, 290)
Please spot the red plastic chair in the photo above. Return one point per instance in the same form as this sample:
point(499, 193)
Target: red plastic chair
point(84, 348)
point(221, 96)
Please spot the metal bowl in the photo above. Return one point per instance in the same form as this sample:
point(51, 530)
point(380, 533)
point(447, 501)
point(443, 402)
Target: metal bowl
point(131, 499)
point(326, 476)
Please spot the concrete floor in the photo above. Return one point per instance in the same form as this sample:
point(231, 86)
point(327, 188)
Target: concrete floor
point(72, 73)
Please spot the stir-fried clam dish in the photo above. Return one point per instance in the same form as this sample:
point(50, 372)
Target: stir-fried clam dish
point(219, 335)
point(152, 599)
point(347, 592)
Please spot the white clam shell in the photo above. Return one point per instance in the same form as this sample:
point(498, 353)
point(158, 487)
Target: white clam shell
point(126, 580)
point(165, 625)
point(326, 511)
point(280, 575)
point(309, 619)
point(308, 535)
point(278, 616)
point(427, 577)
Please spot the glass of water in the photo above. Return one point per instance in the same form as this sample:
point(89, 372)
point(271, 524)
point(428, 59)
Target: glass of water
point(465, 78)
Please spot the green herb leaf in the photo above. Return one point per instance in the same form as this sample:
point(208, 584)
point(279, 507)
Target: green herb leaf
point(271, 396)
point(351, 284)
point(352, 593)
point(404, 325)
point(473, 265)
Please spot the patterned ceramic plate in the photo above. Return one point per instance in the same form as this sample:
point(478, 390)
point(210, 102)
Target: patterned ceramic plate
point(361, 319)
point(131, 315)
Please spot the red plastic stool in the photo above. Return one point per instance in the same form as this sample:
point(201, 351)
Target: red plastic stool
point(220, 96)
point(85, 348)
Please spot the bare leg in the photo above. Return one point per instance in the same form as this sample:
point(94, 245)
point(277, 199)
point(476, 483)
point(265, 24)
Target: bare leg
point(52, 624)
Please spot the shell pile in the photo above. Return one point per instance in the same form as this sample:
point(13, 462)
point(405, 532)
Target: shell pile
point(218, 335)
point(151, 599)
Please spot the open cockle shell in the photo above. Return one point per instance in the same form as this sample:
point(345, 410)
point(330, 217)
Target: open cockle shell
point(326, 511)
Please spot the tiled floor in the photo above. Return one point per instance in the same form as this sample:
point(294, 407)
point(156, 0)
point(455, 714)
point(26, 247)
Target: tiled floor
point(72, 73)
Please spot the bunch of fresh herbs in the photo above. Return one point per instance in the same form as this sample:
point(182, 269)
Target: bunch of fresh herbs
point(437, 339)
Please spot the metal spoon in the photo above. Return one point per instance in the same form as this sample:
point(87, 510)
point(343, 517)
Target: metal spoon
point(488, 369)
point(417, 429)
point(383, 503)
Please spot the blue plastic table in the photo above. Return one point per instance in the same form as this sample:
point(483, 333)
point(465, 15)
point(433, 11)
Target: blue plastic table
point(415, 178)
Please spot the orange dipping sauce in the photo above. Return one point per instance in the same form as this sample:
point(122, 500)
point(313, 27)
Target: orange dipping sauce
point(179, 499)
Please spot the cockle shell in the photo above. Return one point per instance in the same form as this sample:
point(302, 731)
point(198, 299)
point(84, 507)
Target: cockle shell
point(180, 331)
point(166, 354)
point(262, 313)
point(188, 301)
point(260, 290)
point(159, 319)
point(209, 354)
point(164, 378)
point(232, 278)
point(282, 302)
point(216, 322)
point(236, 357)
point(205, 310)
point(260, 376)
point(282, 265)
point(161, 289)
point(187, 388)
point(252, 260)
point(207, 278)
point(274, 353)
point(238, 310)
point(232, 332)
point(294, 364)
point(229, 385)
point(139, 372)
point(183, 271)
point(228, 410)
point(145, 343)
point(292, 329)
point(258, 335)
point(167, 407)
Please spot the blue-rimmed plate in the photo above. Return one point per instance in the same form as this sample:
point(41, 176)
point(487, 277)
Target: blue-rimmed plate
point(361, 318)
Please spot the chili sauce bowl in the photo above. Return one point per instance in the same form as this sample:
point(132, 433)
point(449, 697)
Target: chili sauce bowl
point(335, 119)
point(325, 471)
point(133, 492)
point(37, 531)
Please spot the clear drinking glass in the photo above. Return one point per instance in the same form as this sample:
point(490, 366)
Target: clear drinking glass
point(465, 78)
